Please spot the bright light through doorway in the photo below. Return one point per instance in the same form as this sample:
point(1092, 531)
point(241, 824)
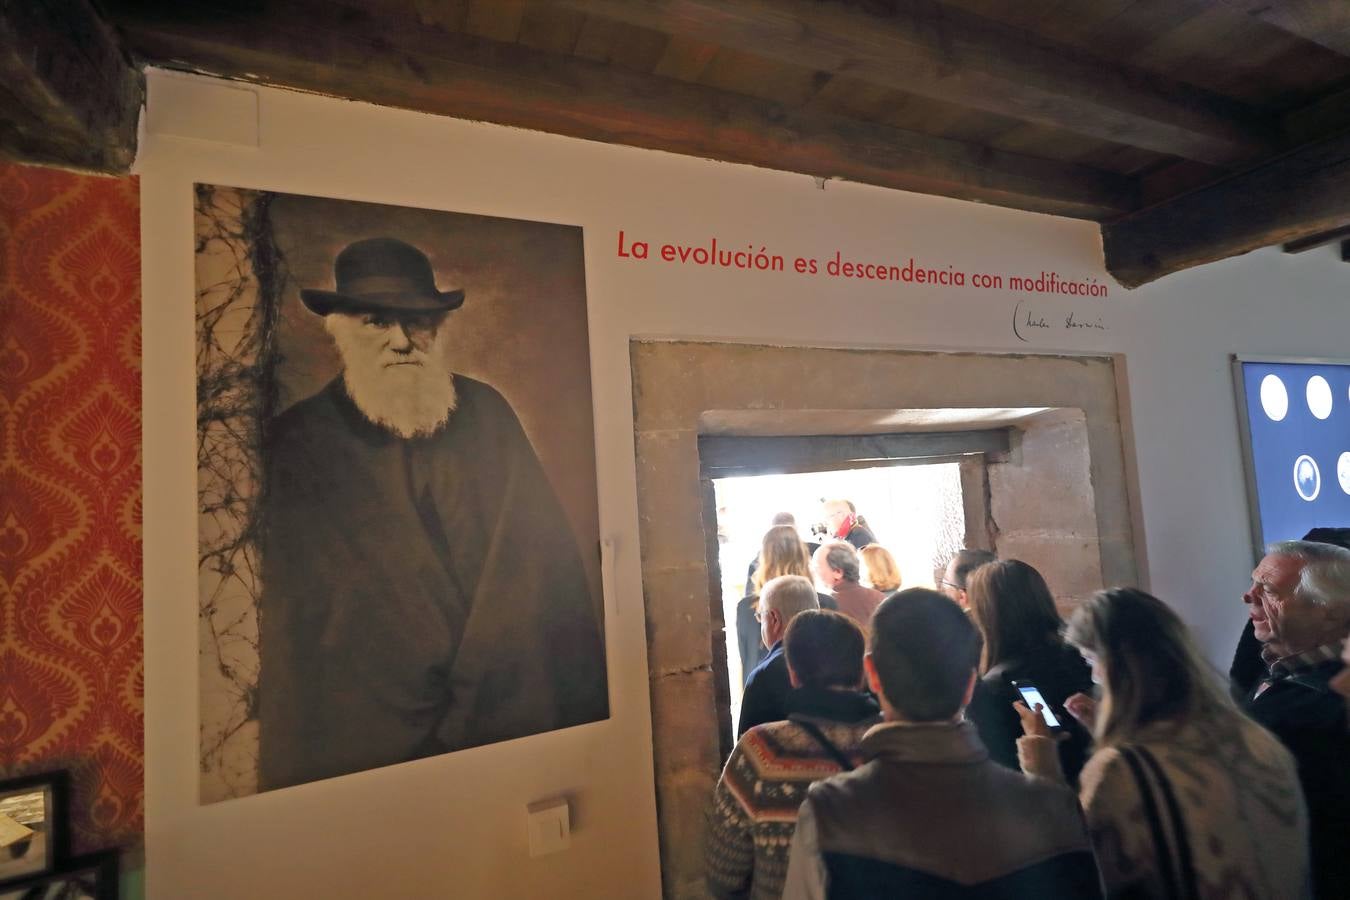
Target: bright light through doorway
point(915, 512)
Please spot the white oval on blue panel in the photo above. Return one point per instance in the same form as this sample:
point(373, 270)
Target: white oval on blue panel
point(1274, 398)
point(1307, 478)
point(1319, 397)
point(1343, 471)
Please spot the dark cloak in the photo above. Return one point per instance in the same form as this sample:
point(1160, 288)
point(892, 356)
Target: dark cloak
point(419, 595)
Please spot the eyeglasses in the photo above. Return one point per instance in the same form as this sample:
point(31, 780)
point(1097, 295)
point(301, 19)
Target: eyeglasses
point(951, 584)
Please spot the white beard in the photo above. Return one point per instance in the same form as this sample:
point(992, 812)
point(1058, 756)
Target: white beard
point(411, 400)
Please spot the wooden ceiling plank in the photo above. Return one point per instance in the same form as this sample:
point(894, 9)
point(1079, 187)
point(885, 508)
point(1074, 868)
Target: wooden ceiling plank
point(1072, 22)
point(620, 44)
point(948, 55)
point(496, 20)
point(1302, 193)
point(769, 79)
point(546, 27)
point(1325, 116)
point(458, 75)
point(597, 39)
point(638, 49)
point(1324, 22)
point(1119, 158)
point(685, 59)
point(452, 15)
point(75, 99)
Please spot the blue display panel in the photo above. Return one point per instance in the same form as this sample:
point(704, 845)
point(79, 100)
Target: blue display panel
point(1298, 430)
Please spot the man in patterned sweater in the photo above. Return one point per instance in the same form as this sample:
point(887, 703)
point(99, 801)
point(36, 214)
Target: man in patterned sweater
point(754, 807)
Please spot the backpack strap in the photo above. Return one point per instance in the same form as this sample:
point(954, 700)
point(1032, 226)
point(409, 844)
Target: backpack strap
point(826, 744)
point(1189, 887)
point(1160, 844)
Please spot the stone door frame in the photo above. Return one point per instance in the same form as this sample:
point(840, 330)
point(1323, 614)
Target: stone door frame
point(677, 383)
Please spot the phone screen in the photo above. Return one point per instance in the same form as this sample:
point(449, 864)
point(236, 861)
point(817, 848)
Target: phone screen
point(1032, 695)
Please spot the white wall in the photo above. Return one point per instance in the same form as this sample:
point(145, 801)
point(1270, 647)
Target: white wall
point(454, 825)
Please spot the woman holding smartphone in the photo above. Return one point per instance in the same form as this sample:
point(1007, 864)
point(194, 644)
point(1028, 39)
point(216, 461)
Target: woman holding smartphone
point(1184, 796)
point(1013, 609)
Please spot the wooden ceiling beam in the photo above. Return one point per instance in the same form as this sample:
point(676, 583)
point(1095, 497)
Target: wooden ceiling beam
point(952, 56)
point(1324, 22)
point(68, 94)
point(1320, 239)
point(1303, 193)
point(412, 66)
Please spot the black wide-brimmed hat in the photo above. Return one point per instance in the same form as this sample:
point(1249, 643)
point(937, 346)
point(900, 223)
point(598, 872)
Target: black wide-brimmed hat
point(381, 274)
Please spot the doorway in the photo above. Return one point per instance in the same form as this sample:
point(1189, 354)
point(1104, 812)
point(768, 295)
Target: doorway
point(689, 395)
point(915, 511)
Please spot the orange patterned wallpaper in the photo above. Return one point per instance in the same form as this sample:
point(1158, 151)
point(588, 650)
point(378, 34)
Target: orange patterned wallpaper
point(71, 679)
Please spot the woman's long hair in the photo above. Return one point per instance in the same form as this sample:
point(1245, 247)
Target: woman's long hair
point(1013, 609)
point(1153, 670)
point(882, 571)
point(781, 553)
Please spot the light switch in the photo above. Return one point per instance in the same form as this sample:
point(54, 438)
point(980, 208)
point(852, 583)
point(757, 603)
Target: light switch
point(550, 827)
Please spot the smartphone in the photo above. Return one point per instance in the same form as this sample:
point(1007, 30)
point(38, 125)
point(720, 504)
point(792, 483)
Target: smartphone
point(1031, 695)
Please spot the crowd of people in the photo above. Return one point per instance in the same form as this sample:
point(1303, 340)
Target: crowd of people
point(968, 742)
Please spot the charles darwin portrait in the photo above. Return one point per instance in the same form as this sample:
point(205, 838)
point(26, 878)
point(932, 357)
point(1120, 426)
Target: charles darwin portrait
point(396, 479)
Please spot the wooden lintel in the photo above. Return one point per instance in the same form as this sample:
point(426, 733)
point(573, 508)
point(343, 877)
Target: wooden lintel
point(723, 455)
point(70, 96)
point(413, 66)
point(1304, 193)
point(949, 55)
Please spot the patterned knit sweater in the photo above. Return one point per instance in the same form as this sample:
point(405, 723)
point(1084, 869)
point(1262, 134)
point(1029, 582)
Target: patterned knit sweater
point(754, 807)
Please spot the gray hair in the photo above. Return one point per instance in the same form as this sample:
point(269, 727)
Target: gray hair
point(967, 561)
point(1325, 577)
point(789, 594)
point(841, 556)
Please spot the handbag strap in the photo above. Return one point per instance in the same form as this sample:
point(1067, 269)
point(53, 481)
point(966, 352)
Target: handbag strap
point(834, 752)
point(1190, 887)
point(1160, 844)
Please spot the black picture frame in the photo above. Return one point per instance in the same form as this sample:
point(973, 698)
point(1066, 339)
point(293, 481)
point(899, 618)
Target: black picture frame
point(49, 848)
point(93, 876)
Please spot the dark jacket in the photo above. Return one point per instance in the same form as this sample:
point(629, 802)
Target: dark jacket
point(748, 639)
point(1059, 671)
point(1310, 720)
point(418, 595)
point(1247, 668)
point(766, 691)
point(859, 536)
point(929, 815)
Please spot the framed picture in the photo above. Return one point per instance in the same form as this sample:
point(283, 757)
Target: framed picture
point(348, 624)
point(92, 877)
point(33, 831)
point(1294, 424)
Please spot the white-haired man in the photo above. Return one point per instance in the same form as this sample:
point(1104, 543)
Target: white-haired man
point(768, 685)
point(1299, 604)
point(422, 589)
